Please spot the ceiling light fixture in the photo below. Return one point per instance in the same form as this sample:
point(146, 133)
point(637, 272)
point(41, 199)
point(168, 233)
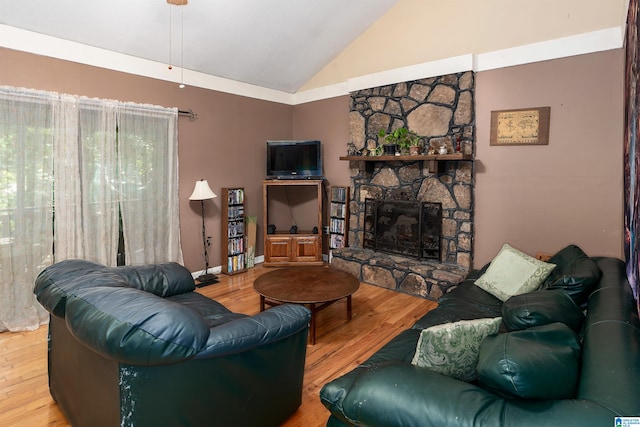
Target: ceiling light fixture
point(177, 3)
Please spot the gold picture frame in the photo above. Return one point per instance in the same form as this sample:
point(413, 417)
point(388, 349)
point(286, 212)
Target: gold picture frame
point(524, 126)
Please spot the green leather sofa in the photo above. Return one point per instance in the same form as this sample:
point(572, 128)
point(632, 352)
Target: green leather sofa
point(388, 390)
point(136, 346)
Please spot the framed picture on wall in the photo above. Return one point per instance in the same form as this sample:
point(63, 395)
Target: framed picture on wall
point(524, 126)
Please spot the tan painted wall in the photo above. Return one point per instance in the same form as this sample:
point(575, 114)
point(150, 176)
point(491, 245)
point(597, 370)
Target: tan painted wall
point(327, 120)
point(537, 198)
point(225, 145)
point(541, 198)
point(409, 34)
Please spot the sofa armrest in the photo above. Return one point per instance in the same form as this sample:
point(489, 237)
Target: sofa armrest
point(610, 373)
point(245, 334)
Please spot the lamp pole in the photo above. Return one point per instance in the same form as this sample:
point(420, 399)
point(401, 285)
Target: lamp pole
point(206, 277)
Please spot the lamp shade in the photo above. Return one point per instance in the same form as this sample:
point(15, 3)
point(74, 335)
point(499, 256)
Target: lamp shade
point(202, 191)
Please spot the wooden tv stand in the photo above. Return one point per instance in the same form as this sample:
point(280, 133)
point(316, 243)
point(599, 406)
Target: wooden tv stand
point(302, 248)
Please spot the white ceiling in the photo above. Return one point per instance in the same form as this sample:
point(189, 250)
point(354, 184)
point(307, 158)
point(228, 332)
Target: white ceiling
point(276, 44)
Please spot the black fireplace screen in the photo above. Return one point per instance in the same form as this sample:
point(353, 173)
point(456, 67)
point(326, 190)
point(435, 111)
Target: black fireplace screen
point(409, 228)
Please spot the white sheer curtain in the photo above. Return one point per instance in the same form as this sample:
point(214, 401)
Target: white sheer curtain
point(26, 197)
point(86, 189)
point(96, 162)
point(148, 166)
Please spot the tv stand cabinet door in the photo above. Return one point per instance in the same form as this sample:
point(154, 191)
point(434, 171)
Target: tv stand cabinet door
point(278, 249)
point(307, 249)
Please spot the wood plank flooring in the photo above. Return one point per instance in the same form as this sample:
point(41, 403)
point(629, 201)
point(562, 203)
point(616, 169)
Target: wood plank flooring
point(378, 315)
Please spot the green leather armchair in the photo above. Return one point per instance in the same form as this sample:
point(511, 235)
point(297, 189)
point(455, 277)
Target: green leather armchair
point(136, 346)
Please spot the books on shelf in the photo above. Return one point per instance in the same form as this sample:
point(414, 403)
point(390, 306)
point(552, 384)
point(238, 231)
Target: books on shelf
point(235, 246)
point(236, 196)
point(336, 241)
point(339, 194)
point(337, 210)
point(336, 225)
point(233, 230)
point(236, 212)
point(235, 263)
point(338, 217)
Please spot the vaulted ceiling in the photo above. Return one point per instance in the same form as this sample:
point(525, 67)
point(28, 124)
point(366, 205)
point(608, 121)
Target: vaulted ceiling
point(279, 44)
point(283, 44)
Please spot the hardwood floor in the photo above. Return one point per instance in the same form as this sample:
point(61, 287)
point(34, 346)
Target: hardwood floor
point(378, 315)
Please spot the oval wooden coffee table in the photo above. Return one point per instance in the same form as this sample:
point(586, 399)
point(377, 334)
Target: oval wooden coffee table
point(317, 287)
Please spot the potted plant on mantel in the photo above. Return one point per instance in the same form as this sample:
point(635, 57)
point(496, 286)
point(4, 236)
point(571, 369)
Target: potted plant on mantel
point(401, 138)
point(415, 143)
point(394, 140)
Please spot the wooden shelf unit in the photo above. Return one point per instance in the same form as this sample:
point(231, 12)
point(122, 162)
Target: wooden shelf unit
point(283, 248)
point(233, 242)
point(338, 217)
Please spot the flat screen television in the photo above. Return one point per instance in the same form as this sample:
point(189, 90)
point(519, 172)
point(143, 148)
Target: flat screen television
point(294, 159)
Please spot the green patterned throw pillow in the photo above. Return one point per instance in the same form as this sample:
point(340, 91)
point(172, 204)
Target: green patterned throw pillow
point(513, 272)
point(452, 348)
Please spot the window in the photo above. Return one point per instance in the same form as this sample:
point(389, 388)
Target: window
point(81, 178)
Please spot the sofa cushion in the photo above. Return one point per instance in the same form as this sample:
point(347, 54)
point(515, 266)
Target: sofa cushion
point(452, 348)
point(575, 273)
point(466, 301)
point(213, 313)
point(536, 363)
point(513, 272)
point(541, 308)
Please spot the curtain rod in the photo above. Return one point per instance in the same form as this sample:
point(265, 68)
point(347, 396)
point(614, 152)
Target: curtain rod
point(192, 116)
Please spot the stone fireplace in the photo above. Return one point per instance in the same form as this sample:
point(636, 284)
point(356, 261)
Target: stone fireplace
point(441, 110)
point(403, 227)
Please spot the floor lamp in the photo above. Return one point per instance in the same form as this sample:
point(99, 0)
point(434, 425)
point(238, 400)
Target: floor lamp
point(203, 192)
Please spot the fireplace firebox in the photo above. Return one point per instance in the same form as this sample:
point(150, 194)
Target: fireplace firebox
point(402, 227)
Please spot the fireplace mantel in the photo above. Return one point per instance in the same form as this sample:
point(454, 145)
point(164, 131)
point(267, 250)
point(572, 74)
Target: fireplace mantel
point(432, 159)
point(436, 157)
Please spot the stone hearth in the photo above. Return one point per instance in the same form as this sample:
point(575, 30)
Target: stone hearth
point(441, 110)
point(427, 279)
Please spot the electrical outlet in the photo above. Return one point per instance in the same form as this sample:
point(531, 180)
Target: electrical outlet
point(325, 229)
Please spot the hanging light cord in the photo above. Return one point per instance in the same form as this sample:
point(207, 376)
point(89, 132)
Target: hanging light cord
point(181, 47)
point(181, 42)
point(170, 37)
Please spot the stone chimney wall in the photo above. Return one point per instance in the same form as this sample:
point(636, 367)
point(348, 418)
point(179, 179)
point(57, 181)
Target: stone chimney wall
point(440, 109)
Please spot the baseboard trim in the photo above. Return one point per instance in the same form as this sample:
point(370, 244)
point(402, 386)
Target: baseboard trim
point(218, 269)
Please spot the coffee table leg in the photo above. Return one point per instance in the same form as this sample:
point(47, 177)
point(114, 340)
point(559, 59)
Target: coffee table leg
point(349, 312)
point(261, 302)
point(312, 326)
